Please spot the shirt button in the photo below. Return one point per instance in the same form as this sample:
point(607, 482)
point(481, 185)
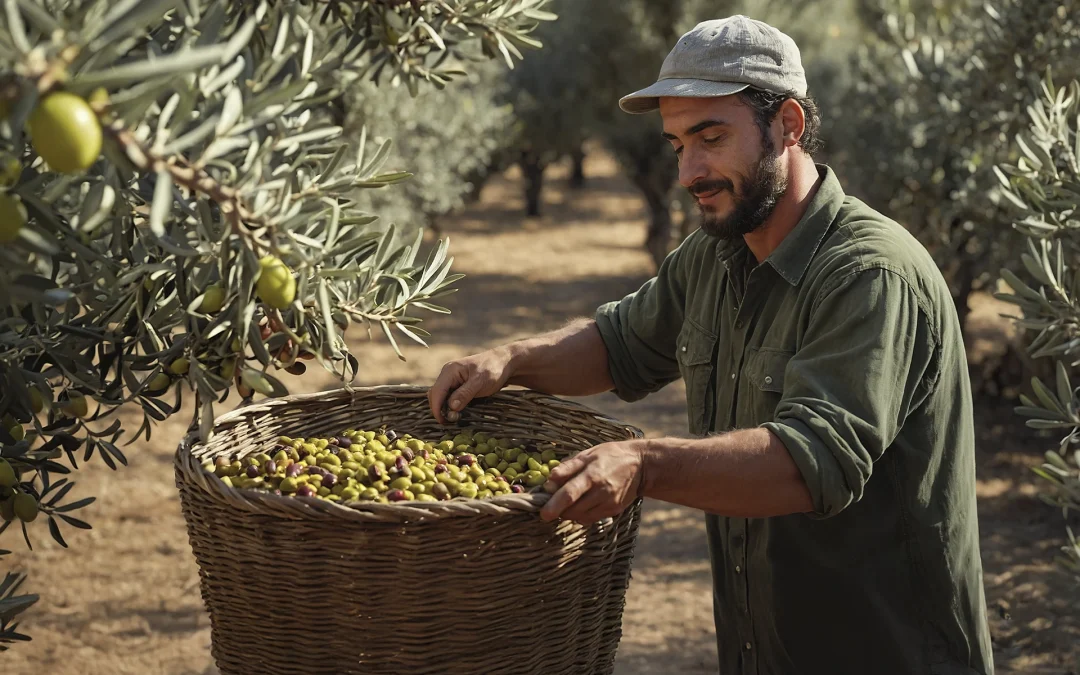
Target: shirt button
point(738, 569)
point(733, 376)
point(684, 348)
point(768, 379)
point(748, 646)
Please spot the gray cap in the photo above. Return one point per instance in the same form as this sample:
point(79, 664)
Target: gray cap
point(722, 57)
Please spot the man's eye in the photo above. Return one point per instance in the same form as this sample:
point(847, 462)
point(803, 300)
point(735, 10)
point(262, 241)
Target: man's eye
point(714, 139)
point(678, 152)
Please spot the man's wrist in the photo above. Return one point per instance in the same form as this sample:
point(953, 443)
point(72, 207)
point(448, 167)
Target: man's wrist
point(648, 450)
point(514, 355)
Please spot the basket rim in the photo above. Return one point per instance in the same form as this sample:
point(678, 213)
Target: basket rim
point(189, 469)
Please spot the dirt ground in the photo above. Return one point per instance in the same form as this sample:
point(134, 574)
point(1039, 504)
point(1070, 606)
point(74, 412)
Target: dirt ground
point(124, 600)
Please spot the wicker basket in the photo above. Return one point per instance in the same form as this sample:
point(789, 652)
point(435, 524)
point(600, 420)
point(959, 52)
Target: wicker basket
point(302, 585)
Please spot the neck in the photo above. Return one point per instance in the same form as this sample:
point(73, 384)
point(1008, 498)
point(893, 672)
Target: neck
point(803, 181)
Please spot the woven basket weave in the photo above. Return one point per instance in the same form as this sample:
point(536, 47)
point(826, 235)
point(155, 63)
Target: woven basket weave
point(301, 585)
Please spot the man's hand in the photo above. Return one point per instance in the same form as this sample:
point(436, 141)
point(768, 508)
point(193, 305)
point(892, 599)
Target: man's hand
point(597, 483)
point(465, 379)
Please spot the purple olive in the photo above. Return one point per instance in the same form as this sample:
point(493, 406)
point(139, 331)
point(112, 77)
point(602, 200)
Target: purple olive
point(374, 472)
point(270, 467)
point(391, 435)
point(222, 462)
point(293, 470)
point(466, 459)
point(440, 491)
point(425, 454)
point(401, 465)
point(441, 468)
point(531, 447)
point(344, 441)
point(302, 453)
point(305, 491)
point(396, 495)
point(252, 471)
point(329, 480)
point(517, 489)
point(408, 454)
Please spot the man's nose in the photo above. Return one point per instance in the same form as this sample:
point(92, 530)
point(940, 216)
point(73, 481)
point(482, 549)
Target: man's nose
point(691, 168)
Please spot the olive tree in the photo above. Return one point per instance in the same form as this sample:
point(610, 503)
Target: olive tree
point(938, 89)
point(445, 137)
point(180, 215)
point(1043, 189)
point(601, 50)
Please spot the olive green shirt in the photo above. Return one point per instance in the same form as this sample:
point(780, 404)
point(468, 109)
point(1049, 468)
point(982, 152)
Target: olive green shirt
point(845, 344)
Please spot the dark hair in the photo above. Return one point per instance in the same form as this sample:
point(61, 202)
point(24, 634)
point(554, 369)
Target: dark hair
point(766, 104)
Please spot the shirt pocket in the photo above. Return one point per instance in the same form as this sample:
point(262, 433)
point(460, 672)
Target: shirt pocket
point(764, 371)
point(695, 347)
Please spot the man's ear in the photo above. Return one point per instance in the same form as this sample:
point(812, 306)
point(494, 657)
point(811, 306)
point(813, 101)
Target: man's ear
point(793, 122)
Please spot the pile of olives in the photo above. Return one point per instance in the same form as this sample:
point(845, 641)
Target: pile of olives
point(380, 466)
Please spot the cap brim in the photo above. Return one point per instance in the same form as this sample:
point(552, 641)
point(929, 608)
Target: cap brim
point(648, 99)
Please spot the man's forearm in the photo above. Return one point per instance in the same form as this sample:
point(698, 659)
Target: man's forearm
point(572, 361)
point(747, 473)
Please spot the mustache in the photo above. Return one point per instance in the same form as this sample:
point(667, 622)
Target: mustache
point(705, 187)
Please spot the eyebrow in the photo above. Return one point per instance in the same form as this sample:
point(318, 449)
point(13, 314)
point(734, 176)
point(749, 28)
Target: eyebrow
point(700, 126)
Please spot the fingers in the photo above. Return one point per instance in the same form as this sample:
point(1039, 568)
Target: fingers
point(565, 497)
point(453, 375)
point(594, 505)
point(465, 393)
point(566, 470)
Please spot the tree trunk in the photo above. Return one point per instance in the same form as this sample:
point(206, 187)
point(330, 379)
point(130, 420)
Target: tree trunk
point(963, 283)
point(659, 234)
point(533, 171)
point(577, 173)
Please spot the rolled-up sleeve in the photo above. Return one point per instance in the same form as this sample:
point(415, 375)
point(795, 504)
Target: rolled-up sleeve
point(638, 334)
point(867, 359)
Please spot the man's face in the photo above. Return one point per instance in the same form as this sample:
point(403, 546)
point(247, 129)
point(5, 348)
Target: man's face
point(734, 175)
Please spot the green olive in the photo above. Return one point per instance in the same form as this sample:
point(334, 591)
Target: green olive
point(7, 474)
point(468, 490)
point(288, 485)
point(400, 483)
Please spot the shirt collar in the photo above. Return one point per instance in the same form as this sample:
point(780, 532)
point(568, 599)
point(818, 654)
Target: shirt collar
point(792, 257)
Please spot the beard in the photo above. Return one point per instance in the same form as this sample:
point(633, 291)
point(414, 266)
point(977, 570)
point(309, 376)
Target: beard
point(753, 204)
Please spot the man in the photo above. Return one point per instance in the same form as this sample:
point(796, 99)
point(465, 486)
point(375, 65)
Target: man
point(826, 386)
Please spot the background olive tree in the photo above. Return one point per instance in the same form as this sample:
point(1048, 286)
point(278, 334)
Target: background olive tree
point(181, 213)
point(938, 90)
point(601, 50)
point(1043, 187)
